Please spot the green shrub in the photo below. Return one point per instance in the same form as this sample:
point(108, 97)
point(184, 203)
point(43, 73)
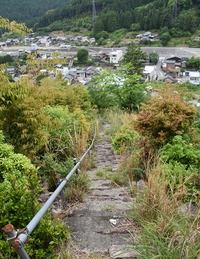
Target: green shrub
point(77, 187)
point(124, 139)
point(182, 163)
point(19, 191)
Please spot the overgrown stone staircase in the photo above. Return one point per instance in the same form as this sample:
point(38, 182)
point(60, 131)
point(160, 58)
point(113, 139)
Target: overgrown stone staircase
point(99, 225)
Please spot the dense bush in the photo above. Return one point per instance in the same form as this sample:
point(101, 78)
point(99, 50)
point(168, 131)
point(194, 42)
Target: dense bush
point(19, 192)
point(124, 138)
point(183, 162)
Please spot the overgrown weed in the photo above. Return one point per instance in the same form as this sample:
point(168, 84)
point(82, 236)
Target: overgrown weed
point(77, 187)
point(166, 232)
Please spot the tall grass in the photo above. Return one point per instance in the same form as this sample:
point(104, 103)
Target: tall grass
point(167, 233)
point(80, 142)
point(77, 187)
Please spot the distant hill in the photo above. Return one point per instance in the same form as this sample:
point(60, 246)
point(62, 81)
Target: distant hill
point(181, 17)
point(176, 18)
point(28, 11)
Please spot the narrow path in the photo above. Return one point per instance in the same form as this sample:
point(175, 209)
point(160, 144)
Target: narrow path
point(100, 225)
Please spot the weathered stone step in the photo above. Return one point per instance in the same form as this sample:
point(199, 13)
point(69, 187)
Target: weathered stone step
point(100, 225)
point(98, 233)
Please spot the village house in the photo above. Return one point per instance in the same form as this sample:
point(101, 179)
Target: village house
point(169, 79)
point(44, 41)
point(173, 65)
point(9, 42)
point(89, 72)
point(149, 73)
point(115, 56)
point(193, 77)
point(92, 40)
point(2, 44)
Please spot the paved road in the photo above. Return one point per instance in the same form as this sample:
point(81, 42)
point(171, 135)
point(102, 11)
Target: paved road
point(179, 51)
point(161, 51)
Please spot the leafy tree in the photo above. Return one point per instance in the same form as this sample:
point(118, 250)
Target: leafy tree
point(124, 138)
point(21, 116)
point(116, 89)
point(58, 92)
point(135, 26)
point(185, 4)
point(6, 59)
point(193, 63)
point(163, 30)
point(110, 21)
point(82, 56)
point(165, 38)
point(164, 116)
point(102, 35)
point(186, 21)
point(154, 57)
point(134, 58)
point(27, 11)
point(13, 26)
point(132, 93)
point(104, 89)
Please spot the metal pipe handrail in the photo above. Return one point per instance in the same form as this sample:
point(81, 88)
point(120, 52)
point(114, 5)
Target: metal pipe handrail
point(17, 239)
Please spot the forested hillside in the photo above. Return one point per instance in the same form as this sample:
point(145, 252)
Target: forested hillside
point(28, 11)
point(182, 18)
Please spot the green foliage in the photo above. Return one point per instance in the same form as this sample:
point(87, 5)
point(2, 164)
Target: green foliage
point(116, 89)
point(183, 164)
point(21, 116)
point(19, 191)
point(60, 149)
point(193, 63)
point(53, 166)
point(104, 89)
point(57, 92)
point(82, 56)
point(179, 151)
point(124, 139)
point(164, 245)
point(101, 35)
point(153, 57)
point(6, 59)
point(166, 231)
point(27, 11)
point(114, 15)
point(186, 21)
point(77, 186)
point(19, 28)
point(133, 92)
point(118, 34)
point(134, 58)
point(164, 116)
point(165, 38)
point(135, 26)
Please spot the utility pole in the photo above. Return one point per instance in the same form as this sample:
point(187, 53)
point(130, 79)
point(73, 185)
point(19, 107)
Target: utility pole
point(93, 12)
point(175, 10)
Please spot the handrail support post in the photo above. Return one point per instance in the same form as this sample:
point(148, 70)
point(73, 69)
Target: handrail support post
point(64, 202)
point(12, 238)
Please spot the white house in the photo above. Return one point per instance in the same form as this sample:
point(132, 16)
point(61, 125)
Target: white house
point(115, 56)
point(149, 73)
point(92, 40)
point(194, 77)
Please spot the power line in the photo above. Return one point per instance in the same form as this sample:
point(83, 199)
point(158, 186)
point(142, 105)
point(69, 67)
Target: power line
point(175, 9)
point(93, 12)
